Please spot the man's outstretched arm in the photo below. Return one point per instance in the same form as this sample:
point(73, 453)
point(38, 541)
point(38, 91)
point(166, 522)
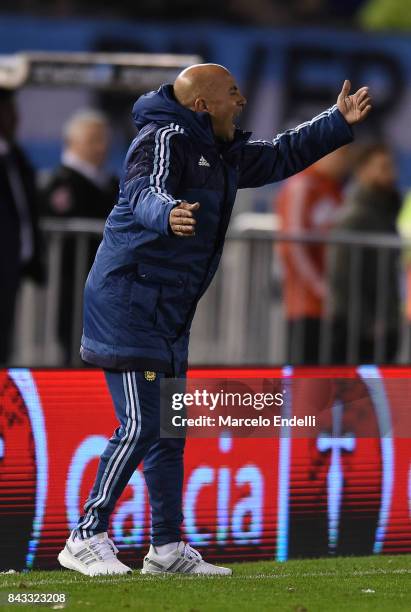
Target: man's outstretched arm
point(290, 152)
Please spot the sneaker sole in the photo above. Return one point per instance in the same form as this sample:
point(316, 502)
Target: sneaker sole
point(154, 573)
point(165, 573)
point(67, 561)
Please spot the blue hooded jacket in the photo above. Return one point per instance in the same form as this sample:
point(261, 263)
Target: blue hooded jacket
point(142, 291)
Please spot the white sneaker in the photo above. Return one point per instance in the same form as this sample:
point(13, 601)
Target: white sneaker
point(95, 556)
point(182, 560)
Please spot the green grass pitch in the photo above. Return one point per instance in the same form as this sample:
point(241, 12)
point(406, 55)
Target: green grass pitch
point(354, 584)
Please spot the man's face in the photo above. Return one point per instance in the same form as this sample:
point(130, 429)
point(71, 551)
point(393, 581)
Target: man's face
point(224, 104)
point(90, 143)
point(379, 171)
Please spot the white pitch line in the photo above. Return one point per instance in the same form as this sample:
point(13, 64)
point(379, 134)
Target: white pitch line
point(140, 578)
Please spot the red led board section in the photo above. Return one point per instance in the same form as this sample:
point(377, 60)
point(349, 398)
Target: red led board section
point(271, 498)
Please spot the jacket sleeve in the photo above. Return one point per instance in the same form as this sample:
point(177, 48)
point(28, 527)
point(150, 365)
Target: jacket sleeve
point(153, 169)
point(265, 161)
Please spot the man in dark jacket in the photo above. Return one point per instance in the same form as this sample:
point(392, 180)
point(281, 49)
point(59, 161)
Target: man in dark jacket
point(374, 304)
point(79, 187)
point(161, 247)
point(19, 237)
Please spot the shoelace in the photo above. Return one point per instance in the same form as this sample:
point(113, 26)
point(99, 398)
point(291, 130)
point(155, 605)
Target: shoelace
point(191, 553)
point(104, 549)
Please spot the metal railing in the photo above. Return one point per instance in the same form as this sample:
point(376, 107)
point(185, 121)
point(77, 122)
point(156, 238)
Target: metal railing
point(240, 320)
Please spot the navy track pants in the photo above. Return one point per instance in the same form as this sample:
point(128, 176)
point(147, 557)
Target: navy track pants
point(137, 405)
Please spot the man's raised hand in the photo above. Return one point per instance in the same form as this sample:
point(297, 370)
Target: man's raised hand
point(354, 108)
point(182, 221)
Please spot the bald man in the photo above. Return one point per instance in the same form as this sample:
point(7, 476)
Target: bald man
point(161, 248)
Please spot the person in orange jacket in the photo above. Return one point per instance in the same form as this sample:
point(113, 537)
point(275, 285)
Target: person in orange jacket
point(308, 202)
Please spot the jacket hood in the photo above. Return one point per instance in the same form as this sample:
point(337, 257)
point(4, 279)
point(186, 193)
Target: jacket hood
point(161, 107)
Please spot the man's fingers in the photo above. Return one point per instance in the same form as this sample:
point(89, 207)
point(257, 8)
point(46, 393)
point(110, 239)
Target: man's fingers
point(181, 227)
point(364, 103)
point(188, 206)
point(182, 221)
point(362, 94)
point(345, 88)
point(365, 112)
point(354, 107)
point(180, 213)
point(183, 230)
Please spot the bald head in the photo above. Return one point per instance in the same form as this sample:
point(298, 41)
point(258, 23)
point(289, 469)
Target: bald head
point(212, 89)
point(198, 81)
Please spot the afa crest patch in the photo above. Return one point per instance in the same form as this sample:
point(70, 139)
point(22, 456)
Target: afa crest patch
point(150, 376)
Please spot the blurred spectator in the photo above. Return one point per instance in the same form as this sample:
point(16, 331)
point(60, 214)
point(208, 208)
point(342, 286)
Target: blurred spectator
point(372, 207)
point(80, 187)
point(19, 238)
point(308, 202)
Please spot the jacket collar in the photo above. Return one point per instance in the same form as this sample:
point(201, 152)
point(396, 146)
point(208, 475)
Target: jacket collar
point(240, 137)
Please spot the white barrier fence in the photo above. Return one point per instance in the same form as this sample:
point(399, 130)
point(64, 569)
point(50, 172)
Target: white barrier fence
point(241, 318)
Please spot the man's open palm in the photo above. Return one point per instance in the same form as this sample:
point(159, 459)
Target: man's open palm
point(356, 107)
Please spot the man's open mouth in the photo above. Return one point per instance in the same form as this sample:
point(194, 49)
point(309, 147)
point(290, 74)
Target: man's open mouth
point(236, 116)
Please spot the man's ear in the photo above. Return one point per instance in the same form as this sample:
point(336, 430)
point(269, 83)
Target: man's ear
point(200, 105)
